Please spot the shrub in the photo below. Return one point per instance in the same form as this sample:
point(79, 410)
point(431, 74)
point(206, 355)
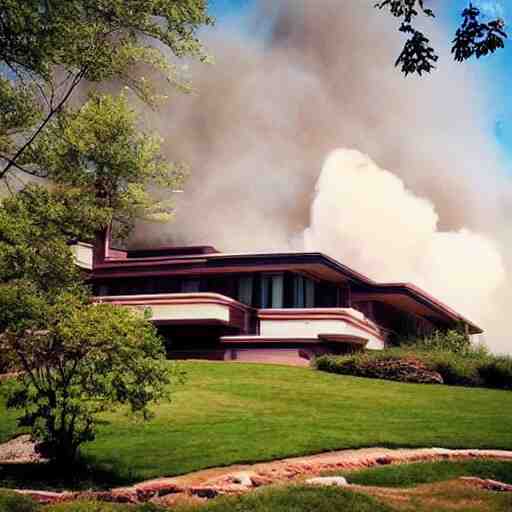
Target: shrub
point(456, 370)
point(473, 368)
point(87, 359)
point(497, 372)
point(449, 341)
point(12, 502)
point(385, 366)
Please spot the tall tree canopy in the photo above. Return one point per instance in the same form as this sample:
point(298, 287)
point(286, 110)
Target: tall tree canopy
point(48, 48)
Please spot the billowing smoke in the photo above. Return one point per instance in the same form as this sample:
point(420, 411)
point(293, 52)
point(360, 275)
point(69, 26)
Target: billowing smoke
point(266, 116)
point(367, 217)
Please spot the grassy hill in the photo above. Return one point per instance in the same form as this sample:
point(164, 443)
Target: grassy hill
point(228, 413)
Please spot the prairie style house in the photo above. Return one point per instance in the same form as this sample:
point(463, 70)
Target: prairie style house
point(280, 307)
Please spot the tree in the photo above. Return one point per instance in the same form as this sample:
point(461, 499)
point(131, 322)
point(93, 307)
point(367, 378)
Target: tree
point(98, 150)
point(36, 226)
point(75, 358)
point(49, 48)
point(78, 360)
point(474, 37)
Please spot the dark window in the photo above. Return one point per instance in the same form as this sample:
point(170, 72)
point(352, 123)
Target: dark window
point(245, 289)
point(271, 291)
point(191, 285)
point(303, 292)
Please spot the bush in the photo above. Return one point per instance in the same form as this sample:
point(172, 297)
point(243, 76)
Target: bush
point(449, 341)
point(497, 373)
point(386, 366)
point(456, 370)
point(474, 367)
point(13, 502)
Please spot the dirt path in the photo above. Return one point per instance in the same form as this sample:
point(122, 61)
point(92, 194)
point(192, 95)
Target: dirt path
point(239, 479)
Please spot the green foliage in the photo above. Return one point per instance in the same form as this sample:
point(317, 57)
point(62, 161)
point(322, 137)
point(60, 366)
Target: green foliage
point(449, 341)
point(92, 34)
point(79, 360)
point(12, 502)
point(98, 150)
point(388, 366)
point(497, 372)
point(36, 226)
point(18, 110)
point(48, 49)
point(451, 355)
point(76, 358)
point(410, 475)
point(455, 370)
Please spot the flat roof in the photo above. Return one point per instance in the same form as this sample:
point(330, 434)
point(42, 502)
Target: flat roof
point(180, 261)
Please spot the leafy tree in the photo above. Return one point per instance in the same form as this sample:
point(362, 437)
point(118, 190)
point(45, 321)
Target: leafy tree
point(99, 150)
point(36, 226)
point(474, 37)
point(75, 358)
point(78, 360)
point(49, 48)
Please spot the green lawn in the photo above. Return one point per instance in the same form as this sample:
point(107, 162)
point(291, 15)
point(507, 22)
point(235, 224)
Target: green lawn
point(228, 413)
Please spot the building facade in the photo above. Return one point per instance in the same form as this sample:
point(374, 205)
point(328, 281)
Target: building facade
point(278, 307)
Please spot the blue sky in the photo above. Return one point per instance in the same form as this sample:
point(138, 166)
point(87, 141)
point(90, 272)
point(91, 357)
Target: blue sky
point(495, 68)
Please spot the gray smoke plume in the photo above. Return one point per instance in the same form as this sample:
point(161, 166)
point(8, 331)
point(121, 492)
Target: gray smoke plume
point(266, 117)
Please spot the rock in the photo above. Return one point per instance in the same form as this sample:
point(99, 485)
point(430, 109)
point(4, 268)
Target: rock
point(204, 492)
point(335, 481)
point(47, 497)
point(19, 450)
point(259, 480)
point(242, 479)
point(159, 488)
point(487, 484)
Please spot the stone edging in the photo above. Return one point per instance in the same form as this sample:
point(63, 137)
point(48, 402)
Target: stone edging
point(239, 479)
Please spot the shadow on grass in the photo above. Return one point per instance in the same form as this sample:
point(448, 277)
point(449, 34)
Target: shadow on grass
point(86, 475)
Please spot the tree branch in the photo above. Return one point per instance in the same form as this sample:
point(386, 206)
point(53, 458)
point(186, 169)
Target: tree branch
point(18, 166)
point(78, 78)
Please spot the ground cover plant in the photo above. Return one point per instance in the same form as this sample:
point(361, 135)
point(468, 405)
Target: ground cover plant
point(296, 499)
point(448, 496)
point(446, 358)
point(11, 502)
point(233, 413)
point(410, 475)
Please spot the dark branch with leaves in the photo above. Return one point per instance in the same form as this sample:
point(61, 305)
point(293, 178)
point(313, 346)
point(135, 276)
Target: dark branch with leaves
point(475, 37)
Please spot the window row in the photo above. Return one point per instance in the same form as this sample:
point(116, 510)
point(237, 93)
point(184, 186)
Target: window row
point(260, 290)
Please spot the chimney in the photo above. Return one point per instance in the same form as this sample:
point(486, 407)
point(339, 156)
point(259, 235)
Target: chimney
point(102, 246)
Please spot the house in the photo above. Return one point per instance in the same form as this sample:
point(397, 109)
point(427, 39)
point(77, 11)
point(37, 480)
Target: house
point(281, 307)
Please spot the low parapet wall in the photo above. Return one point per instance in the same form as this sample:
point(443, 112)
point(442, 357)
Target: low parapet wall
point(319, 322)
